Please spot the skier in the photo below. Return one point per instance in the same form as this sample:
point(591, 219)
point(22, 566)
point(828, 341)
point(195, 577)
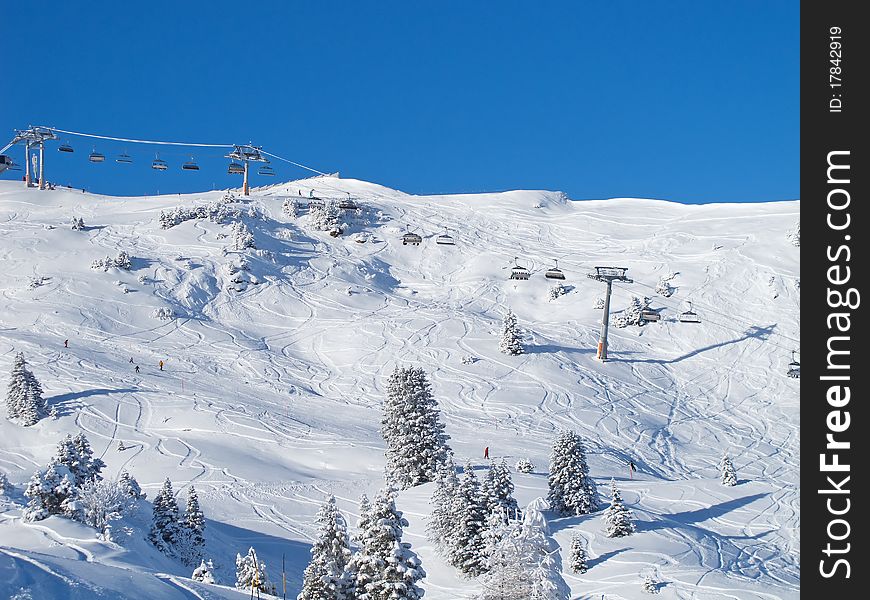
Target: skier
point(131, 360)
point(66, 343)
point(631, 469)
point(486, 452)
point(161, 365)
point(136, 369)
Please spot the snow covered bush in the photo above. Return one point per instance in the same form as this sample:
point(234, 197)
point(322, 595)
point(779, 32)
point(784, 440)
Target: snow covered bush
point(469, 360)
point(511, 337)
point(632, 314)
point(599, 303)
point(290, 208)
point(242, 237)
point(164, 313)
point(572, 491)
point(330, 554)
point(5, 486)
point(729, 474)
point(524, 465)
point(578, 555)
point(121, 261)
point(557, 291)
point(78, 223)
point(251, 573)
point(219, 211)
point(325, 216)
point(204, 573)
point(24, 402)
point(414, 434)
point(384, 567)
point(664, 288)
point(617, 517)
point(650, 585)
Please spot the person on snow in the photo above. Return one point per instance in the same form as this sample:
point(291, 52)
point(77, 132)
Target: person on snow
point(486, 452)
point(66, 343)
point(131, 360)
point(136, 369)
point(161, 365)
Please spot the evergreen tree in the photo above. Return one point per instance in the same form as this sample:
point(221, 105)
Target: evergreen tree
point(164, 533)
point(540, 553)
point(498, 490)
point(130, 486)
point(326, 216)
point(511, 338)
point(97, 504)
point(508, 576)
point(24, 401)
point(795, 235)
point(251, 573)
point(385, 568)
point(5, 486)
point(524, 465)
point(47, 491)
point(572, 491)
point(191, 540)
point(330, 554)
point(204, 573)
point(729, 475)
point(578, 555)
point(617, 517)
point(242, 237)
point(88, 468)
point(467, 552)
point(412, 429)
point(442, 520)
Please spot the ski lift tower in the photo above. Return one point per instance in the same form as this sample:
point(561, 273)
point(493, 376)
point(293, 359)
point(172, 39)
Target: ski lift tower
point(33, 136)
point(608, 275)
point(246, 154)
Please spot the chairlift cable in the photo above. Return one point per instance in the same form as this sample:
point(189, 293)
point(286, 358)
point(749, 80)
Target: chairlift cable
point(134, 141)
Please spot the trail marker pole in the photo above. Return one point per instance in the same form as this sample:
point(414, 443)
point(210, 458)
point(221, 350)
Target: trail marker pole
point(607, 275)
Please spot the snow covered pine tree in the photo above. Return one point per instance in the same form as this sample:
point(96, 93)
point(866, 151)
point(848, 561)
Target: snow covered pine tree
point(24, 402)
point(191, 542)
point(164, 532)
point(467, 552)
point(498, 491)
point(572, 491)
point(412, 429)
point(441, 523)
point(617, 517)
point(384, 568)
point(330, 554)
point(511, 337)
point(578, 554)
point(729, 475)
point(204, 572)
point(251, 573)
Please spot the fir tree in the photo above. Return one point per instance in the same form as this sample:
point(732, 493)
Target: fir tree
point(441, 524)
point(97, 504)
point(578, 555)
point(412, 429)
point(467, 552)
point(242, 237)
point(617, 517)
point(498, 490)
point(24, 401)
point(509, 576)
point(385, 568)
point(47, 491)
point(191, 540)
point(330, 554)
point(164, 533)
point(204, 573)
point(524, 465)
point(325, 217)
point(130, 486)
point(251, 573)
point(729, 475)
point(5, 486)
point(87, 468)
point(511, 339)
point(540, 553)
point(572, 491)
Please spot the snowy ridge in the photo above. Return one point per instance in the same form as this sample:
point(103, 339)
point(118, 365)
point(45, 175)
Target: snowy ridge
point(271, 394)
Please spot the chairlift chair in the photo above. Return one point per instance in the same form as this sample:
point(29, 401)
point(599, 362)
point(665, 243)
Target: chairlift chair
point(65, 147)
point(266, 170)
point(190, 165)
point(347, 203)
point(411, 238)
point(554, 272)
point(159, 164)
point(235, 168)
point(689, 316)
point(445, 239)
point(519, 272)
point(794, 368)
point(124, 159)
point(96, 157)
point(650, 315)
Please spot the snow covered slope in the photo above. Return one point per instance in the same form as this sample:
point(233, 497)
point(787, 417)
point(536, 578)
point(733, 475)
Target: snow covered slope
point(270, 396)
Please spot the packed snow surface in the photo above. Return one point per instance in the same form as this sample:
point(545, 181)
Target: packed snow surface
point(275, 372)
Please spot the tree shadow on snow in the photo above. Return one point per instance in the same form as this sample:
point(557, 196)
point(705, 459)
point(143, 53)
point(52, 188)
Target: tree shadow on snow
point(754, 332)
point(702, 514)
point(64, 404)
point(598, 560)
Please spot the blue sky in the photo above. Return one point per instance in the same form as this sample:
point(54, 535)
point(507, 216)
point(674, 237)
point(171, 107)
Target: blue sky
point(688, 101)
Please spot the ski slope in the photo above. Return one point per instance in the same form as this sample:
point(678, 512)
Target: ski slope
point(270, 397)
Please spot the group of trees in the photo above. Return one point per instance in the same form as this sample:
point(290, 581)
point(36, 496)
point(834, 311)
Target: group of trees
point(24, 402)
point(632, 314)
point(383, 567)
point(243, 238)
point(121, 261)
point(326, 216)
point(176, 534)
point(217, 212)
point(71, 485)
